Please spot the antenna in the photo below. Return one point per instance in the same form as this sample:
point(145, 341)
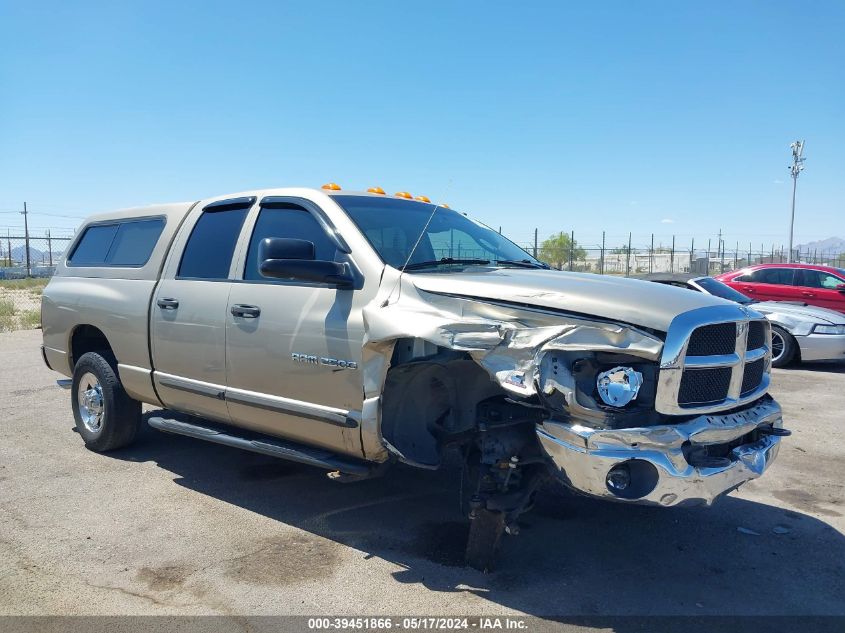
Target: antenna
point(795, 170)
point(417, 243)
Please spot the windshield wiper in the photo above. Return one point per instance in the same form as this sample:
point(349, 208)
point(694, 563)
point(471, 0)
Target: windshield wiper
point(445, 261)
point(522, 263)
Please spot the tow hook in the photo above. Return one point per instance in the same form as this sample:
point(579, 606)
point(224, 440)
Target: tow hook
point(771, 430)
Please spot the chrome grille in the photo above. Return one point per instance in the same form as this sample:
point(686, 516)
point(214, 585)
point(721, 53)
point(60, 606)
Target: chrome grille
point(756, 335)
point(712, 339)
point(752, 376)
point(714, 359)
point(702, 386)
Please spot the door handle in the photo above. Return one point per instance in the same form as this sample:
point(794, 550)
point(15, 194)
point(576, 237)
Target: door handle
point(748, 289)
point(168, 304)
point(245, 311)
point(809, 294)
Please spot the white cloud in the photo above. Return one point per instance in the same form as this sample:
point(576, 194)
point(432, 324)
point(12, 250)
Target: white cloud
point(667, 221)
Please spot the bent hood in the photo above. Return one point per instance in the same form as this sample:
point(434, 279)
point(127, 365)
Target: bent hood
point(632, 301)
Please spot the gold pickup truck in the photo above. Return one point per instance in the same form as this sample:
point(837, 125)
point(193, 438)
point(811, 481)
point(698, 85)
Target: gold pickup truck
point(354, 330)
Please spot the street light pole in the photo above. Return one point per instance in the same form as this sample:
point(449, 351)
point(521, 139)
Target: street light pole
point(795, 169)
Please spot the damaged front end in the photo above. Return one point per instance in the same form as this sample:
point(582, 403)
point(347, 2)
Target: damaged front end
point(695, 461)
point(659, 416)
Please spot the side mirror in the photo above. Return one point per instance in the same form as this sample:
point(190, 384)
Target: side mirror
point(841, 287)
point(283, 258)
point(285, 248)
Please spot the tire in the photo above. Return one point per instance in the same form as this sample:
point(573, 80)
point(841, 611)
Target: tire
point(485, 535)
point(106, 417)
point(784, 343)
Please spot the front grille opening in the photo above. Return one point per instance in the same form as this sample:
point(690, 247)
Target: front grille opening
point(704, 386)
point(752, 376)
point(713, 340)
point(756, 335)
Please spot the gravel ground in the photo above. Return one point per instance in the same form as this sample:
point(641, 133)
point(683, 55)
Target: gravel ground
point(176, 526)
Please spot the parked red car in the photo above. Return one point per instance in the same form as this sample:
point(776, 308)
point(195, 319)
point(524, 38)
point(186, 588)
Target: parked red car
point(822, 286)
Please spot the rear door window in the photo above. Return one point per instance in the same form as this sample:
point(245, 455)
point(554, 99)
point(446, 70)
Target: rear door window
point(128, 243)
point(816, 279)
point(208, 253)
point(777, 276)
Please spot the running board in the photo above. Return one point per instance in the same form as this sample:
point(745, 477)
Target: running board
point(65, 383)
point(265, 445)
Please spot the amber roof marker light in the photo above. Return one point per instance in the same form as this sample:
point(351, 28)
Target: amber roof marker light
point(377, 190)
point(331, 186)
point(422, 198)
point(404, 194)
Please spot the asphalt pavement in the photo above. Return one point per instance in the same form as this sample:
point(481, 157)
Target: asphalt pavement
point(172, 525)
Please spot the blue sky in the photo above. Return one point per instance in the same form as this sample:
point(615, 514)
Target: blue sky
point(664, 117)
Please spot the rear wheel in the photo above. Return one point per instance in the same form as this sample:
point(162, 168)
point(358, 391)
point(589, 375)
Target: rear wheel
point(106, 417)
point(783, 347)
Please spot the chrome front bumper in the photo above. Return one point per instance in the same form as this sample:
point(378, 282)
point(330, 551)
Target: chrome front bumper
point(586, 455)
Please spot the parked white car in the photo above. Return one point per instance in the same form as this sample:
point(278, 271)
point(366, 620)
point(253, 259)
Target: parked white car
point(800, 332)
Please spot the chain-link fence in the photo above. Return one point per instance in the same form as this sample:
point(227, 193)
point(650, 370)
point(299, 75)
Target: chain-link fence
point(645, 260)
point(23, 274)
point(564, 251)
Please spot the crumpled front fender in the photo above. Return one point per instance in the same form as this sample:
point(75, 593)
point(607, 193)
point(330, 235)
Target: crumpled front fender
point(507, 341)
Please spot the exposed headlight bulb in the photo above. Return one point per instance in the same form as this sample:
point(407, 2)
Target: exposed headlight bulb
point(619, 386)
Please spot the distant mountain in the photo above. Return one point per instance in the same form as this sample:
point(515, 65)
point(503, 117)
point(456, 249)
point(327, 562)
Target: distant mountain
point(19, 254)
point(830, 244)
point(36, 256)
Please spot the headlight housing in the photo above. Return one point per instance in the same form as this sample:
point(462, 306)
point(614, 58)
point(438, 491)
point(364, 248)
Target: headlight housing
point(619, 386)
point(820, 328)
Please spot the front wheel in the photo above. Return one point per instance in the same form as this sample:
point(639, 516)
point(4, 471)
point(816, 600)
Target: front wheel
point(783, 347)
point(106, 417)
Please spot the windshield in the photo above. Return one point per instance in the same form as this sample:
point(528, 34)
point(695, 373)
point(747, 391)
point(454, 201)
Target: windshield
point(718, 289)
point(393, 225)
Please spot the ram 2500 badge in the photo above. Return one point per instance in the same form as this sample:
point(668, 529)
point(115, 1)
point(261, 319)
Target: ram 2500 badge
point(352, 331)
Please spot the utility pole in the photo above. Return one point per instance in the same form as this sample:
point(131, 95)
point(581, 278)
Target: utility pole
point(601, 266)
point(26, 239)
point(795, 169)
point(691, 255)
point(721, 250)
point(49, 248)
point(9, 247)
point(672, 257)
point(651, 255)
point(535, 243)
point(628, 258)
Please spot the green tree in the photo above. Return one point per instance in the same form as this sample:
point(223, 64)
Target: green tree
point(555, 251)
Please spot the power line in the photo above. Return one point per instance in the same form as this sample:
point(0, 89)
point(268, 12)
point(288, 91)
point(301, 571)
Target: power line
point(48, 215)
